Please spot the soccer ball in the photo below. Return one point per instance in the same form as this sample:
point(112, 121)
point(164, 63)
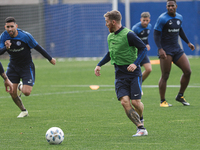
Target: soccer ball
point(54, 135)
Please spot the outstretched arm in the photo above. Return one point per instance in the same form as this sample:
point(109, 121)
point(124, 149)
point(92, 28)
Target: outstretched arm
point(183, 36)
point(105, 59)
point(44, 53)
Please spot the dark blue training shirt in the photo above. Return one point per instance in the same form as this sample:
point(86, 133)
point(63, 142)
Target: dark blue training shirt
point(170, 28)
point(142, 32)
point(20, 50)
point(121, 71)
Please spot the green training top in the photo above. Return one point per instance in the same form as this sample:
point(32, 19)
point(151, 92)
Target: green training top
point(120, 51)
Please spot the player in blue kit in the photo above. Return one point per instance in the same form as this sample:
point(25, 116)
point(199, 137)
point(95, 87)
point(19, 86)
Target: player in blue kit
point(126, 51)
point(166, 32)
point(142, 29)
point(8, 85)
point(18, 44)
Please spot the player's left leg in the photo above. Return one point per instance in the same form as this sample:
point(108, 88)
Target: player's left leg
point(28, 79)
point(147, 71)
point(13, 75)
point(184, 65)
point(139, 107)
point(133, 116)
point(26, 89)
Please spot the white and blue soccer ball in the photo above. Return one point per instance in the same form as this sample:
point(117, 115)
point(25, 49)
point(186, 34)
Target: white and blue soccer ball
point(54, 135)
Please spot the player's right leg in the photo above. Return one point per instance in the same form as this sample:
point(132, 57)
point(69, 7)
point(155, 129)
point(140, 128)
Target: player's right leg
point(147, 66)
point(13, 74)
point(18, 102)
point(147, 71)
point(165, 66)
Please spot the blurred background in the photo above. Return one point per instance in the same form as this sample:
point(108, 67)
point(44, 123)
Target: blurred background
point(76, 28)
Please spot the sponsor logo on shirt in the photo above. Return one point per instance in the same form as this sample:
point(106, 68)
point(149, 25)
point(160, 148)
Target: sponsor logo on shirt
point(173, 30)
point(144, 38)
point(16, 50)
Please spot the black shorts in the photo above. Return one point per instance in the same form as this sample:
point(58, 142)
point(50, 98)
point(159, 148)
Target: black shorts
point(131, 87)
point(175, 55)
point(145, 60)
point(27, 74)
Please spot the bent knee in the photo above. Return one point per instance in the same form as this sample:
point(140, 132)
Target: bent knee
point(26, 93)
point(165, 76)
point(149, 70)
point(188, 73)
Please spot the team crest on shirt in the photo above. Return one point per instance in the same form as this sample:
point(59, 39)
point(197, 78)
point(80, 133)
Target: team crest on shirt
point(18, 43)
point(148, 31)
point(178, 22)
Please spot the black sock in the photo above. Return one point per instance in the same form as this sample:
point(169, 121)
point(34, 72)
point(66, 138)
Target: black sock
point(141, 127)
point(162, 100)
point(141, 118)
point(180, 94)
point(24, 110)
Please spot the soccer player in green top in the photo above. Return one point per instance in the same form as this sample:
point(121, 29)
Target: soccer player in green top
point(126, 51)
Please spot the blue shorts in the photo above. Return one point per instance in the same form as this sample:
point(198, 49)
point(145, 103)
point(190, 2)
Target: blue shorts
point(131, 87)
point(145, 60)
point(27, 74)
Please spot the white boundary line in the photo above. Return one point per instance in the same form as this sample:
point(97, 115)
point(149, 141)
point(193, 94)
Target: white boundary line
point(111, 88)
point(143, 86)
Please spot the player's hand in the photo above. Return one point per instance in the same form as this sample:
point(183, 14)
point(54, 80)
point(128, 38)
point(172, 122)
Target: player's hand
point(53, 61)
point(97, 71)
point(8, 85)
point(7, 44)
point(131, 67)
point(191, 46)
point(148, 47)
point(162, 54)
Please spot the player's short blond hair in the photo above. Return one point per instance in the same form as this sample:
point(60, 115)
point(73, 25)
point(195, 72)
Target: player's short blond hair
point(114, 15)
point(145, 15)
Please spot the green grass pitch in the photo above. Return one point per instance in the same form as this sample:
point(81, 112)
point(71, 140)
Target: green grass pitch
point(95, 119)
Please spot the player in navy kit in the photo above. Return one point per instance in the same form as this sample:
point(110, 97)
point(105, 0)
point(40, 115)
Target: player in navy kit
point(166, 32)
point(8, 85)
point(142, 29)
point(18, 44)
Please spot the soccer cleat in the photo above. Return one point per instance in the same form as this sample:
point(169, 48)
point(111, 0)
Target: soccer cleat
point(141, 132)
point(19, 92)
point(182, 100)
point(23, 114)
point(165, 104)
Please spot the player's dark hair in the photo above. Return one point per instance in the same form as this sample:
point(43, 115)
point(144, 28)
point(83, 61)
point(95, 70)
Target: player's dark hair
point(10, 19)
point(171, 0)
